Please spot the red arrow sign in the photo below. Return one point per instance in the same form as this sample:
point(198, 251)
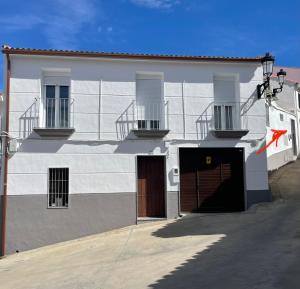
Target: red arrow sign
point(276, 135)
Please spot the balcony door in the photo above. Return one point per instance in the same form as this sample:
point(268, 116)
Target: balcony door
point(57, 104)
point(226, 107)
point(150, 108)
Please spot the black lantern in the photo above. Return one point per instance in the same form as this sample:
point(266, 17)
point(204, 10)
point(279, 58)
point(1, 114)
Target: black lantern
point(280, 75)
point(267, 62)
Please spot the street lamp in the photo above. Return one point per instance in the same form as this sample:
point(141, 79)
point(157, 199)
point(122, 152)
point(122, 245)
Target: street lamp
point(267, 63)
point(280, 75)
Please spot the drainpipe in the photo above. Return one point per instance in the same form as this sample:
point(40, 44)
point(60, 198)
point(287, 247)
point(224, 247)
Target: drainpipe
point(5, 153)
point(183, 109)
point(100, 109)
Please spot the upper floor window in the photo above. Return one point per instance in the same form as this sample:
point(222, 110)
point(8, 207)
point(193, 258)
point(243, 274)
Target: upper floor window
point(57, 106)
point(56, 100)
point(226, 108)
point(149, 101)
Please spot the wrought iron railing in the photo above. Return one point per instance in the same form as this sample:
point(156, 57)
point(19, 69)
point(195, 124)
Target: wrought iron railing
point(229, 116)
point(54, 113)
point(151, 115)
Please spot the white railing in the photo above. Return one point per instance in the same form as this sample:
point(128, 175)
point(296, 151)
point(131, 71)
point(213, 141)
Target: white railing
point(55, 113)
point(229, 116)
point(151, 115)
point(146, 116)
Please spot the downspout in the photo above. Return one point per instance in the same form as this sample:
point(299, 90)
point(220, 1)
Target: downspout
point(100, 109)
point(183, 109)
point(4, 196)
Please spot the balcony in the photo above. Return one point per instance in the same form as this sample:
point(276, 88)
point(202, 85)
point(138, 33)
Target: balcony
point(229, 120)
point(54, 117)
point(147, 120)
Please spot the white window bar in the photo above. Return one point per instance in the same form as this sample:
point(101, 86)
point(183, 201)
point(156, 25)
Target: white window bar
point(228, 116)
point(150, 115)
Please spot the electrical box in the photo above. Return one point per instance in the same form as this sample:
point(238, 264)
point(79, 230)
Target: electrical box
point(175, 174)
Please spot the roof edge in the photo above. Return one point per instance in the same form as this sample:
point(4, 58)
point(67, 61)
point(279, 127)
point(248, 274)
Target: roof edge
point(92, 54)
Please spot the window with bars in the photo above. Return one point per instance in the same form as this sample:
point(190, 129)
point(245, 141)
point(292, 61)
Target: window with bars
point(58, 194)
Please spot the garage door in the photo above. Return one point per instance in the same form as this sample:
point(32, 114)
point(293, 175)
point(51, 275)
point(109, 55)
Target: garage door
point(211, 179)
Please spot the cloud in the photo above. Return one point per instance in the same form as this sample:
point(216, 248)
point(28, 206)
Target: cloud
point(156, 4)
point(60, 23)
point(19, 22)
point(69, 19)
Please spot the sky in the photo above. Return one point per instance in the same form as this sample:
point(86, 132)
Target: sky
point(184, 27)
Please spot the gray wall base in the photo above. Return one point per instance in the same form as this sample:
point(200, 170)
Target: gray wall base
point(258, 196)
point(30, 224)
point(172, 205)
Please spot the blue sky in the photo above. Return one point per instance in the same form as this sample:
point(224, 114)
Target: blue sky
point(214, 27)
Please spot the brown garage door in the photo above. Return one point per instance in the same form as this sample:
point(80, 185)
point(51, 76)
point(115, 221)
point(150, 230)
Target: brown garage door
point(211, 179)
point(151, 186)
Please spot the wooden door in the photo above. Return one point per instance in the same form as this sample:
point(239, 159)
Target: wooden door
point(151, 186)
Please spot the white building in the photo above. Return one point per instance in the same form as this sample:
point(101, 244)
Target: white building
point(284, 113)
point(98, 140)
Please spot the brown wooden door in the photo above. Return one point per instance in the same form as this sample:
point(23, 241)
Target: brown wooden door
point(151, 186)
point(211, 179)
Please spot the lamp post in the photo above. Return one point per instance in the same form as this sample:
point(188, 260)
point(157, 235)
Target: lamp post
point(280, 75)
point(267, 64)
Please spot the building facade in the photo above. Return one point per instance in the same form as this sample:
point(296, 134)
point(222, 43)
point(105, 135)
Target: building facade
point(284, 113)
point(97, 141)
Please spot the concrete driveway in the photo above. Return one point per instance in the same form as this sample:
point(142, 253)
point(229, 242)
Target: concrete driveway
point(259, 248)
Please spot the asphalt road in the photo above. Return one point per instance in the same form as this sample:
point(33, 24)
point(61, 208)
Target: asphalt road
point(257, 249)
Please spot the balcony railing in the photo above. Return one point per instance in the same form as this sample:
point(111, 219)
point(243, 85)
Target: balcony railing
point(229, 119)
point(149, 119)
point(54, 116)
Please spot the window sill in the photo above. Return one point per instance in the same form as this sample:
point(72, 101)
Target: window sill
point(54, 132)
point(230, 133)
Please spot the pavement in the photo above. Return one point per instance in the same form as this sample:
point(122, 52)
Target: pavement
point(256, 249)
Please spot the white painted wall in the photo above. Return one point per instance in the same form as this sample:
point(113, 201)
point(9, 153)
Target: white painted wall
point(100, 160)
point(288, 100)
point(285, 142)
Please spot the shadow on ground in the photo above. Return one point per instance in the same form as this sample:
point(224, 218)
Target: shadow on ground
point(261, 247)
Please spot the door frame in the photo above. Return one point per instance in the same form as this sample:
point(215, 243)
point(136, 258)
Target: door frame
point(294, 137)
point(165, 183)
point(244, 173)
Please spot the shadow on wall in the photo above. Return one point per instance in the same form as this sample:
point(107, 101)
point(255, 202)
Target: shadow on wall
point(125, 123)
point(243, 257)
point(28, 120)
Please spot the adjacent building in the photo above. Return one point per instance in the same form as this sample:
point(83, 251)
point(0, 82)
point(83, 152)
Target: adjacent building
point(284, 113)
point(97, 141)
